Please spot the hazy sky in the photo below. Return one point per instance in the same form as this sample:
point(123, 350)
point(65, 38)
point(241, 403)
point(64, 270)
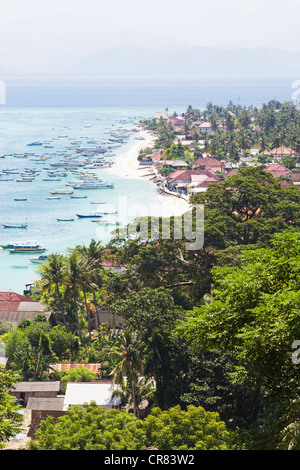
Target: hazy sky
point(36, 34)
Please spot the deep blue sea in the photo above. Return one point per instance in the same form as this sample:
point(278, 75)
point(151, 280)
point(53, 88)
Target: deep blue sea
point(61, 113)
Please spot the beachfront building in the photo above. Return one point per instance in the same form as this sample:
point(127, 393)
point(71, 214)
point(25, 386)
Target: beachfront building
point(184, 180)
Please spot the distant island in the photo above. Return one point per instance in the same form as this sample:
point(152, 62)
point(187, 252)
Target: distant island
point(178, 61)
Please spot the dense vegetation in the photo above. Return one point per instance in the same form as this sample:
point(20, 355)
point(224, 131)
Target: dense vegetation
point(207, 335)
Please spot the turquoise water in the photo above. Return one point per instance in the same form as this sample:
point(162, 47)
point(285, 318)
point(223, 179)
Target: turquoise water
point(55, 111)
point(58, 128)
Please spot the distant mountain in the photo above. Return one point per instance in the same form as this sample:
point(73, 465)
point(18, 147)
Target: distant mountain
point(167, 61)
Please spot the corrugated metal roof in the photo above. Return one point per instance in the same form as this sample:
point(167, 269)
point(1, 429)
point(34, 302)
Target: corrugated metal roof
point(78, 393)
point(45, 404)
point(36, 387)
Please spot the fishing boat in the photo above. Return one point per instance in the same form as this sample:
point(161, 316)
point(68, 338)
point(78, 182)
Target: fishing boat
point(60, 219)
point(15, 225)
point(53, 197)
point(92, 185)
point(39, 260)
point(61, 191)
point(20, 199)
point(78, 197)
point(24, 248)
point(29, 243)
point(90, 215)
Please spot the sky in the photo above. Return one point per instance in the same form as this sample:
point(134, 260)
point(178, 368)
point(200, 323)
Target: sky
point(38, 35)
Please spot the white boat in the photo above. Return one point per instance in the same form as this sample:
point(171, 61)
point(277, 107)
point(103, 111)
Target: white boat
point(61, 191)
point(29, 243)
point(92, 185)
point(23, 248)
point(15, 225)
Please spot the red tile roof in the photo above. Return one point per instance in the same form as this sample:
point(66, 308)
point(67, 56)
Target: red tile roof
point(276, 169)
point(280, 151)
point(10, 301)
point(185, 175)
point(207, 162)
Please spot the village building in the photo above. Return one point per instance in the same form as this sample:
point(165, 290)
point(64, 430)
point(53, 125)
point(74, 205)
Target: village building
point(280, 152)
point(15, 307)
point(277, 170)
point(208, 163)
point(23, 391)
point(181, 179)
point(44, 400)
point(79, 393)
point(200, 183)
point(205, 127)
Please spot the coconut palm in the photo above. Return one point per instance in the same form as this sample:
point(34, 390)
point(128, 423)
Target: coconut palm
point(129, 364)
point(74, 273)
point(53, 273)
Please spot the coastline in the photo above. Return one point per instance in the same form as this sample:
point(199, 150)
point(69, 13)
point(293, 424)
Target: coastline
point(127, 166)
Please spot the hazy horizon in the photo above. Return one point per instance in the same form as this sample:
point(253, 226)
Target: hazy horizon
point(45, 37)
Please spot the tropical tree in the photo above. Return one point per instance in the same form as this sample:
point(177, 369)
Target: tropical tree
point(10, 419)
point(53, 273)
point(129, 363)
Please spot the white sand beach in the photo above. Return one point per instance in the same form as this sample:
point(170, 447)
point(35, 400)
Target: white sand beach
point(127, 166)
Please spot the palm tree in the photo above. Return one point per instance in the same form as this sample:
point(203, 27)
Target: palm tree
point(129, 365)
point(73, 280)
point(91, 279)
point(53, 273)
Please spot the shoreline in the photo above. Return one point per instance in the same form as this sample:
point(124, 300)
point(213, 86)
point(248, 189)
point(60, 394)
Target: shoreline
point(127, 166)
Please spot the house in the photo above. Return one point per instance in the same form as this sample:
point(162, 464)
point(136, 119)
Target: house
point(22, 391)
point(79, 393)
point(277, 170)
point(200, 183)
point(295, 177)
point(177, 121)
point(208, 163)
point(279, 152)
point(41, 408)
point(157, 157)
point(182, 178)
point(15, 307)
point(179, 164)
point(161, 115)
point(205, 127)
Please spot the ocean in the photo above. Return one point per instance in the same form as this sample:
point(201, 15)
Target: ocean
point(62, 114)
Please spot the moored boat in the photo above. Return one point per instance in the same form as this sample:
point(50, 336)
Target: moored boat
point(15, 225)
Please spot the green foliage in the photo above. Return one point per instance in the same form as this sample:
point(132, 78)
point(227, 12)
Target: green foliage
point(79, 374)
point(193, 429)
point(254, 316)
point(91, 428)
point(10, 419)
